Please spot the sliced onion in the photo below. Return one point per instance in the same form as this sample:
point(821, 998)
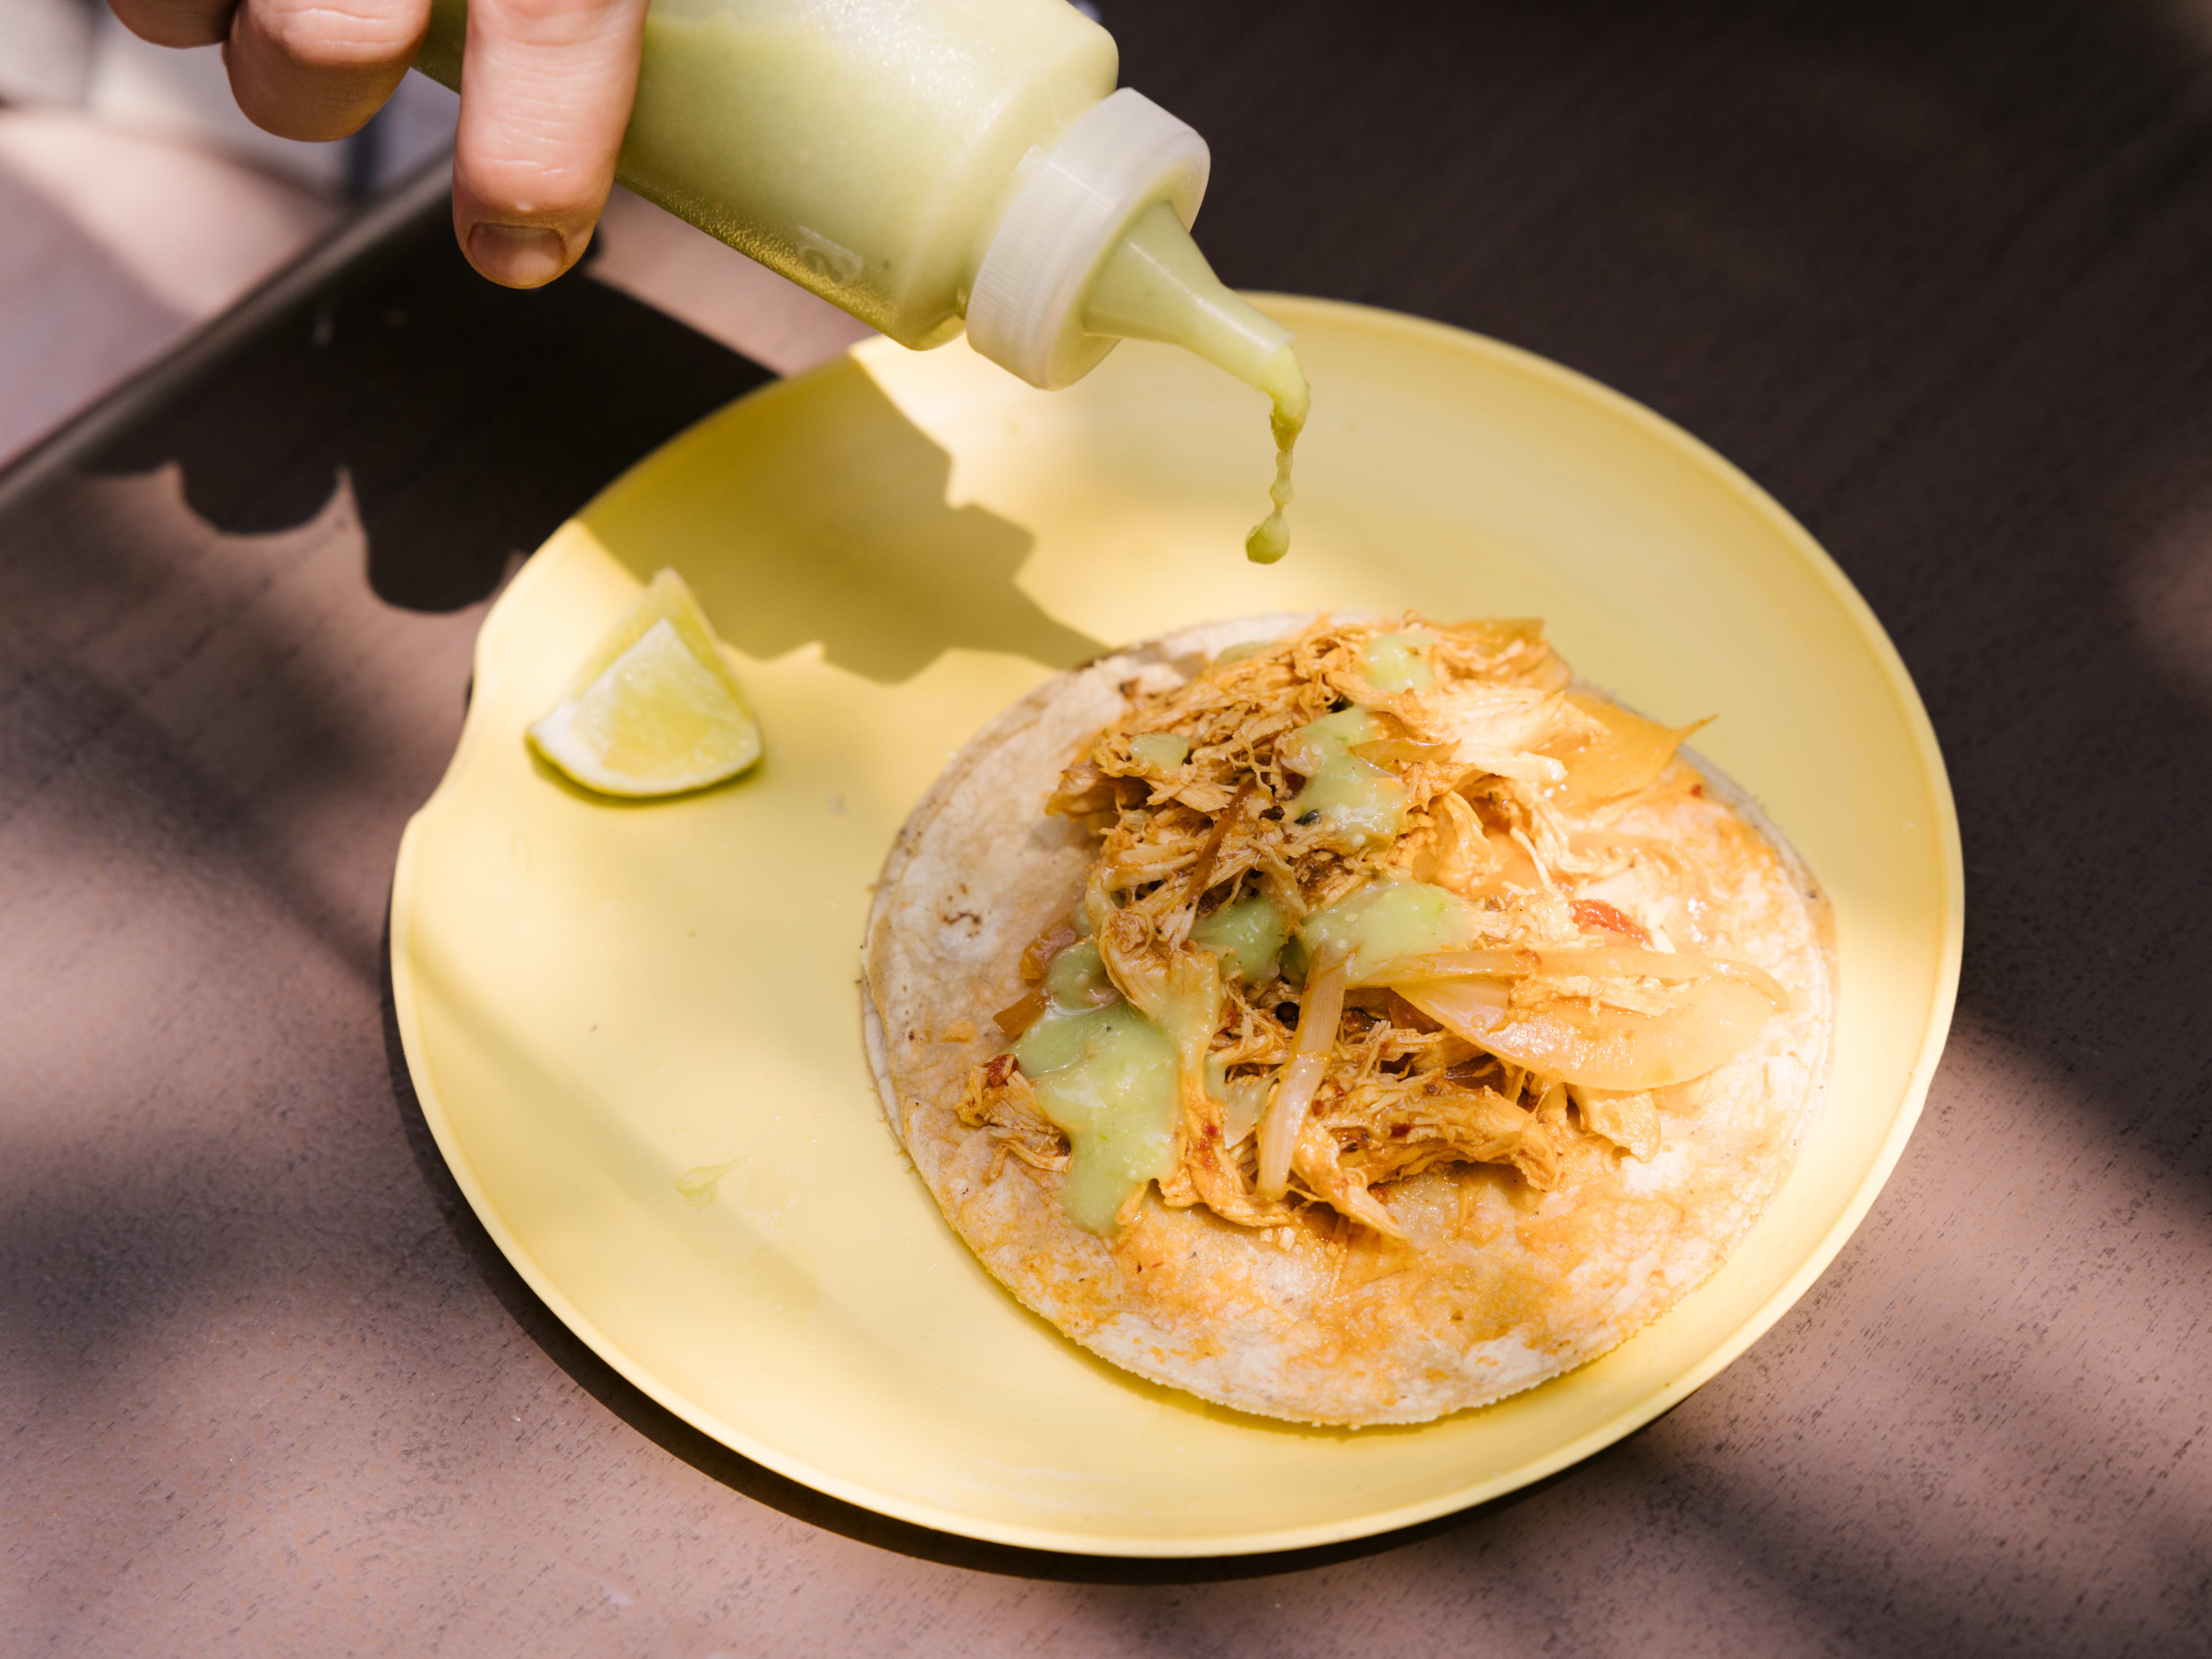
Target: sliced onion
point(1610, 1048)
point(1018, 1018)
point(1038, 955)
point(1319, 1010)
point(1590, 961)
point(1247, 1098)
point(1631, 753)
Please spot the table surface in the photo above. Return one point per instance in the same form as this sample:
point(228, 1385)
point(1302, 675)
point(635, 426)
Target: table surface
point(1939, 275)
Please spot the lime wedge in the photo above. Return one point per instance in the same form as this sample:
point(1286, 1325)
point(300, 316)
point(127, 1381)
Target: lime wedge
point(654, 710)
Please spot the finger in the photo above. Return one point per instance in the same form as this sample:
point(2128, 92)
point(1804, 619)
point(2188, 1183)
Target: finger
point(318, 68)
point(546, 87)
point(176, 22)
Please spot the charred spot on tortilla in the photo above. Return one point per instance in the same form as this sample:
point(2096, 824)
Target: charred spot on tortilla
point(1374, 1021)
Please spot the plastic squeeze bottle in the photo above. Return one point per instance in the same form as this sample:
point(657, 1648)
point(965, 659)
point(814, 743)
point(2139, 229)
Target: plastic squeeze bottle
point(925, 164)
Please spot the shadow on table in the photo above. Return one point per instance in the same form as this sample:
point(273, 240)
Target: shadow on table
point(470, 419)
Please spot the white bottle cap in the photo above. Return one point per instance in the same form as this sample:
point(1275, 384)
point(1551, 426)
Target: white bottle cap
point(1025, 313)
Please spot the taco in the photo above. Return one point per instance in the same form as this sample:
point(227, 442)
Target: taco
point(1346, 1021)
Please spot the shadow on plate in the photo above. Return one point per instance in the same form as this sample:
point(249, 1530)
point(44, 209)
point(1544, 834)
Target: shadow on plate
point(818, 511)
point(802, 1503)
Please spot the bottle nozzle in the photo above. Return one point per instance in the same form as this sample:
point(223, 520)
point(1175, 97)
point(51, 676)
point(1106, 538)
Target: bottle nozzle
point(1156, 285)
point(1025, 310)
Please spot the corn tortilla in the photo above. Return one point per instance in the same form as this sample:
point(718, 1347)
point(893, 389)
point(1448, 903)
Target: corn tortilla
point(1495, 1287)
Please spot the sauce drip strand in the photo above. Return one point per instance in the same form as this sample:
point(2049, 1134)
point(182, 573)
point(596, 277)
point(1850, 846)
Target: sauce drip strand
point(1284, 383)
point(1156, 285)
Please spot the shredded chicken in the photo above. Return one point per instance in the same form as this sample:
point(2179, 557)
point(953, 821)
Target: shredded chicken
point(999, 1099)
point(1481, 754)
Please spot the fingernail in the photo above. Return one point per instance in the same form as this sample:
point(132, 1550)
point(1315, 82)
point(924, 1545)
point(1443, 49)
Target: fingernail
point(520, 256)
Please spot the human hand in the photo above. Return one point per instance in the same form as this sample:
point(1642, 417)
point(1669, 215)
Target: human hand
point(545, 94)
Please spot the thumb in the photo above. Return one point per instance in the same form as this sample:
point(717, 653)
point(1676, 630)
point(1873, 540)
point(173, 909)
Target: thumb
point(546, 87)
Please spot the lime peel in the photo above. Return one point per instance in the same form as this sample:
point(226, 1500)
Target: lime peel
point(655, 710)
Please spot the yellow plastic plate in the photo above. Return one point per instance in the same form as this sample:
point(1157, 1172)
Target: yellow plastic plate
point(600, 999)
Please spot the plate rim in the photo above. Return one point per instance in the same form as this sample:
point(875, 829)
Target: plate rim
point(939, 1518)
